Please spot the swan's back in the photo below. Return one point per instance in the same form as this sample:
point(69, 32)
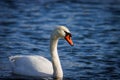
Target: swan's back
point(31, 66)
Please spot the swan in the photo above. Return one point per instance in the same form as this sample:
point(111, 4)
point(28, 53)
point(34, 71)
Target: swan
point(38, 66)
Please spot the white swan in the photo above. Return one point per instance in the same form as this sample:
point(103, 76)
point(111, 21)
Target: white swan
point(38, 66)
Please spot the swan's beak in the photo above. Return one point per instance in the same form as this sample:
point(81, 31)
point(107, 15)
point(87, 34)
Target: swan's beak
point(69, 40)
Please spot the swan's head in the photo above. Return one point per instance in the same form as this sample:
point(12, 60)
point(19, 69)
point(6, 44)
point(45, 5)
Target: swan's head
point(63, 32)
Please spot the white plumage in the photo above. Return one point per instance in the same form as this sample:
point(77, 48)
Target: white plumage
point(31, 65)
point(38, 66)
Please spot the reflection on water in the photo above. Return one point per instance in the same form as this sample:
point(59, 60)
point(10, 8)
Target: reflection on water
point(25, 27)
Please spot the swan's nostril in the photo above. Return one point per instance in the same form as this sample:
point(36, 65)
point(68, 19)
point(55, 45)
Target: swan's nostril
point(67, 33)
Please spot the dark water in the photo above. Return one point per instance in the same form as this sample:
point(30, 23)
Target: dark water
point(25, 28)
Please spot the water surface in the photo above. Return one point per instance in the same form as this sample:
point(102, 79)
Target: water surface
point(25, 28)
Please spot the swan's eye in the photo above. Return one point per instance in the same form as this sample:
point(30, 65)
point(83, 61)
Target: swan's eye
point(68, 34)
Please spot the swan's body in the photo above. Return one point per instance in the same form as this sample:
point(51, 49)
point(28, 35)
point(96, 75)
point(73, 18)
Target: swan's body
point(38, 66)
point(31, 65)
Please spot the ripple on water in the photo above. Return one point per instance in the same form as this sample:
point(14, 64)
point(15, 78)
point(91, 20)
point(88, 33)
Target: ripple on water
point(94, 24)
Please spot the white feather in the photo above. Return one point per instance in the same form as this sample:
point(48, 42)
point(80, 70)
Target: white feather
point(38, 66)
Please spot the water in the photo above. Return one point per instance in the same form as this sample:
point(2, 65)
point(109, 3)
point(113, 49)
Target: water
point(25, 28)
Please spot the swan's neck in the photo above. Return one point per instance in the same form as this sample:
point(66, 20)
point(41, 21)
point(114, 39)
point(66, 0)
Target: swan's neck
point(58, 73)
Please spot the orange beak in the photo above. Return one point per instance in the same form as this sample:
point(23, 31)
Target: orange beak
point(69, 40)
